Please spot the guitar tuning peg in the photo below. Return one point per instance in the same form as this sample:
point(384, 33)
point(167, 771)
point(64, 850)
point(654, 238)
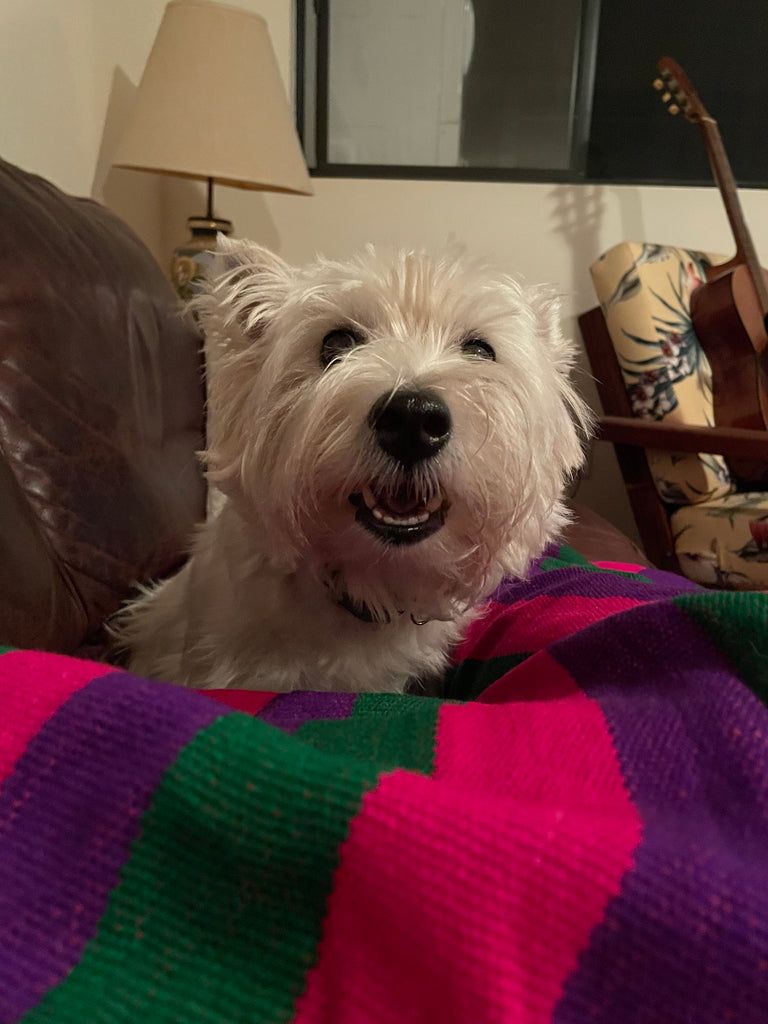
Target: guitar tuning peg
point(658, 84)
point(673, 108)
point(666, 96)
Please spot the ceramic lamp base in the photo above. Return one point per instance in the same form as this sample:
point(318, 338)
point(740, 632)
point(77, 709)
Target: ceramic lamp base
point(191, 259)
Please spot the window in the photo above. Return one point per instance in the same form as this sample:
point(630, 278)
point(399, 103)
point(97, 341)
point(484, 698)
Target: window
point(405, 86)
point(556, 90)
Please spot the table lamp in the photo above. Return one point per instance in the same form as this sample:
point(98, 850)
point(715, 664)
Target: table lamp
point(211, 106)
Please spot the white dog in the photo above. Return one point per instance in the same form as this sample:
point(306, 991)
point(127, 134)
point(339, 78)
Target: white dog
point(391, 437)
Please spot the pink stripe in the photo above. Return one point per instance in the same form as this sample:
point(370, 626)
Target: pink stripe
point(538, 678)
point(538, 738)
point(484, 922)
point(531, 625)
point(249, 701)
point(488, 628)
point(33, 686)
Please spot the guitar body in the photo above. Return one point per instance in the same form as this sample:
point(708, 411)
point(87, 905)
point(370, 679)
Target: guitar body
point(729, 324)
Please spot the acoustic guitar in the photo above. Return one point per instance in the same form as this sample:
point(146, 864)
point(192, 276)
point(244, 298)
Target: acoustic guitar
point(730, 308)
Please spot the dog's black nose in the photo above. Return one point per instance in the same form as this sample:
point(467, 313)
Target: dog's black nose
point(411, 425)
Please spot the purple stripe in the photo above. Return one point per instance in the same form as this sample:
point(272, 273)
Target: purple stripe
point(289, 711)
point(687, 937)
point(576, 581)
point(669, 582)
point(68, 815)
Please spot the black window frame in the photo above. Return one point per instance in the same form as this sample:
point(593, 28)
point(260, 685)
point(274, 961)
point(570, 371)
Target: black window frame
point(607, 105)
point(583, 74)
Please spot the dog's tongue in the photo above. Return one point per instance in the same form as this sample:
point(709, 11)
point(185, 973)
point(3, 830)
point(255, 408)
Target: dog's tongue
point(400, 501)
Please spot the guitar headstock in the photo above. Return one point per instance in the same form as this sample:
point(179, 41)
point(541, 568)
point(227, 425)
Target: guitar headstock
point(678, 93)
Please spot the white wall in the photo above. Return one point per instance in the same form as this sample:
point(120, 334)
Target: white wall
point(67, 72)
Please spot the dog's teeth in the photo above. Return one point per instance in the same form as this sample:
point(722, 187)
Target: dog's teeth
point(389, 520)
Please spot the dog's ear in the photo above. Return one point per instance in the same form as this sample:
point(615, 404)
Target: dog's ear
point(234, 254)
point(546, 306)
point(247, 284)
point(560, 352)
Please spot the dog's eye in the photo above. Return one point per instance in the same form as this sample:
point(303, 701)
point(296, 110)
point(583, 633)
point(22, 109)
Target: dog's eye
point(336, 344)
point(479, 348)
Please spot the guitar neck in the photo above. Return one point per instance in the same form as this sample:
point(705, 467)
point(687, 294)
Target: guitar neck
point(723, 175)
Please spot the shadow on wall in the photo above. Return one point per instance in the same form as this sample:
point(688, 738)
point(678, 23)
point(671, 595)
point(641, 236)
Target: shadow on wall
point(157, 206)
point(577, 215)
point(135, 196)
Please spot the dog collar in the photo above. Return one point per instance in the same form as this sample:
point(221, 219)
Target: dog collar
point(363, 613)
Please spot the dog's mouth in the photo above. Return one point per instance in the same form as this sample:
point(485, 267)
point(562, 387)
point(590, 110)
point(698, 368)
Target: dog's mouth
point(398, 516)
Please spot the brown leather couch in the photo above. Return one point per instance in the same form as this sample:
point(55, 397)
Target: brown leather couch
point(101, 414)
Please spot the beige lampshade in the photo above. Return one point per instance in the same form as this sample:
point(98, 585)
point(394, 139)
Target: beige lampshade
point(211, 103)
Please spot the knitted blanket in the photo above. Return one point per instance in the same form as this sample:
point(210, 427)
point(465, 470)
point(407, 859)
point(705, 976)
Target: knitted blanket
point(578, 834)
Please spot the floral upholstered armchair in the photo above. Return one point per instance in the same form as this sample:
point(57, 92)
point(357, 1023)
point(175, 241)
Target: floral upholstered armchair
point(719, 534)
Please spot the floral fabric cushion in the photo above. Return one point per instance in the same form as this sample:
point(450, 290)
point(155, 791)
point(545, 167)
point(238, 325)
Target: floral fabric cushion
point(724, 543)
point(644, 291)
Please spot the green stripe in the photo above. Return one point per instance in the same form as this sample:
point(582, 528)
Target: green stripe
point(218, 914)
point(738, 624)
point(468, 679)
point(385, 731)
point(565, 556)
point(6, 650)
point(568, 558)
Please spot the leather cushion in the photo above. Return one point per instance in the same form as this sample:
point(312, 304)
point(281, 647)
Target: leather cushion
point(101, 413)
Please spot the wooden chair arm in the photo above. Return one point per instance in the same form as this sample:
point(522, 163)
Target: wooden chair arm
point(732, 442)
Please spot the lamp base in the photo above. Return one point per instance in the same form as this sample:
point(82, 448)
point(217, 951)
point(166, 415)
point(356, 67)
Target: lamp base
point(191, 260)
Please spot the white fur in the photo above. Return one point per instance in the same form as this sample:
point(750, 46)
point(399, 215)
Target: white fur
point(257, 604)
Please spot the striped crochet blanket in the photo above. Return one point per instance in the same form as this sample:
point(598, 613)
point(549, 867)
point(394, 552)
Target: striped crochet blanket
point(579, 834)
